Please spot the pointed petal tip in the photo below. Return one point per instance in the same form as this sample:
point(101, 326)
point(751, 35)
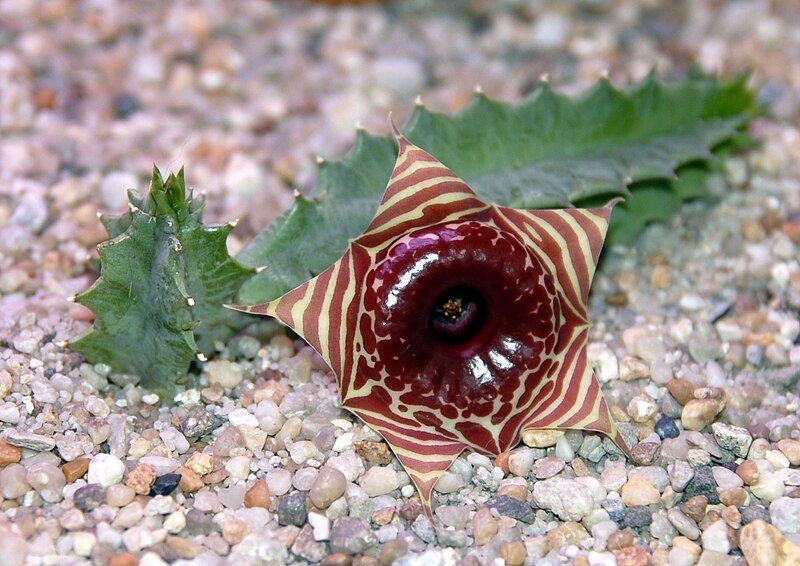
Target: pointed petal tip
point(395, 131)
point(233, 307)
point(614, 202)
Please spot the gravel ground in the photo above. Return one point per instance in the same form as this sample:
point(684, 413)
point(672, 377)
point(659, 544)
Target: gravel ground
point(695, 329)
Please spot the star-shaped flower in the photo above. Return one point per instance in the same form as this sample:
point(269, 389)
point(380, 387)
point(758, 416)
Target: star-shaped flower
point(451, 323)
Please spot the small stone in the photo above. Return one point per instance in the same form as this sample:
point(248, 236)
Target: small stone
point(392, 550)
point(175, 522)
point(520, 462)
point(292, 509)
point(123, 559)
point(764, 545)
point(639, 491)
point(89, 497)
point(637, 517)
point(259, 495)
point(374, 452)
point(684, 552)
point(769, 487)
point(119, 495)
point(114, 187)
point(725, 478)
point(564, 450)
point(306, 547)
point(351, 535)
point(238, 467)
point(200, 463)
point(749, 472)
point(733, 438)
point(682, 390)
point(9, 454)
point(12, 481)
point(328, 487)
point(279, 481)
point(645, 453)
point(614, 475)
point(695, 507)
point(642, 408)
point(666, 428)
point(548, 467)
point(379, 480)
point(198, 424)
point(106, 470)
point(541, 438)
point(715, 537)
point(569, 532)
point(734, 496)
point(620, 540)
point(699, 413)
point(784, 515)
point(686, 526)
point(141, 478)
point(702, 483)
point(47, 480)
point(190, 481)
point(631, 556)
point(790, 449)
point(223, 373)
point(568, 499)
point(516, 509)
point(166, 484)
point(36, 442)
point(484, 526)
point(513, 552)
point(75, 469)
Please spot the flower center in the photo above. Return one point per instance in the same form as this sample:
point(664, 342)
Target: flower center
point(457, 315)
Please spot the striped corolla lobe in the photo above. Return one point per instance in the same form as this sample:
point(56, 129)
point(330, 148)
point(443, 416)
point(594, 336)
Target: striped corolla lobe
point(451, 323)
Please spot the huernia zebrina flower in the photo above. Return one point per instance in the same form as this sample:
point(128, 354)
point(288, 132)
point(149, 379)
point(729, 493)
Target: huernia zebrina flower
point(451, 323)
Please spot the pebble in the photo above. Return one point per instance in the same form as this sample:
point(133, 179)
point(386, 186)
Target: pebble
point(520, 462)
point(141, 478)
point(89, 497)
point(258, 495)
point(513, 552)
point(642, 408)
point(75, 469)
point(9, 454)
point(292, 509)
point(114, 187)
point(514, 508)
point(166, 484)
point(769, 487)
point(702, 483)
point(665, 427)
point(568, 499)
point(484, 526)
point(684, 525)
point(47, 480)
point(119, 495)
point(106, 470)
point(733, 438)
point(684, 552)
point(639, 491)
point(329, 486)
point(784, 513)
point(36, 442)
point(790, 449)
point(223, 373)
point(379, 480)
point(541, 438)
point(764, 545)
point(279, 481)
point(699, 413)
point(715, 537)
point(351, 535)
point(725, 478)
point(548, 467)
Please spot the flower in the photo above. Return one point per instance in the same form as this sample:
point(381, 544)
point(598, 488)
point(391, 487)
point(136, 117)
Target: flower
point(451, 323)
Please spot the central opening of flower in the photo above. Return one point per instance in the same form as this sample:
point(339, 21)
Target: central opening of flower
point(457, 315)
